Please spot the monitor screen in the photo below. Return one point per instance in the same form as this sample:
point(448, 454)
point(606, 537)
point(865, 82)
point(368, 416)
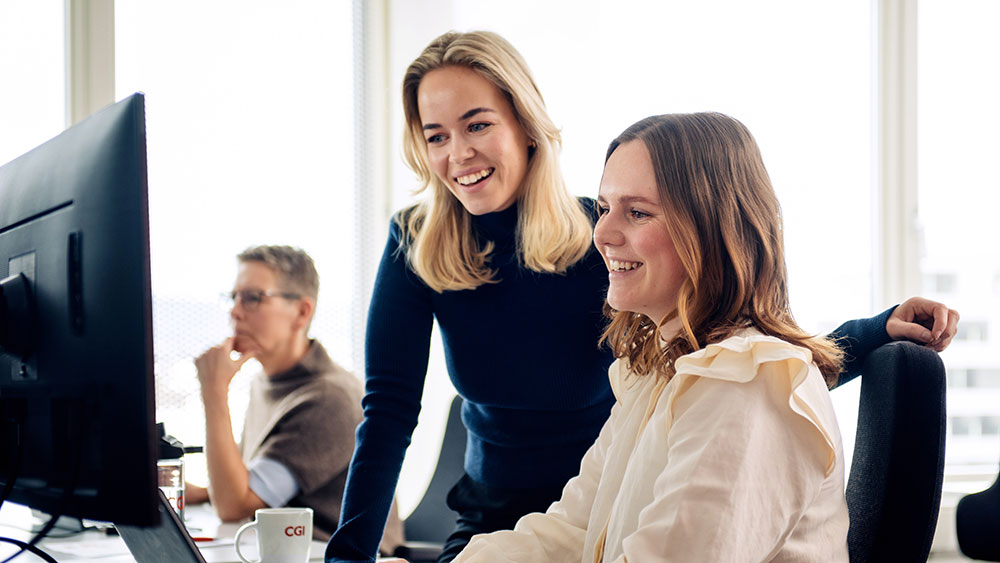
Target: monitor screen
point(76, 355)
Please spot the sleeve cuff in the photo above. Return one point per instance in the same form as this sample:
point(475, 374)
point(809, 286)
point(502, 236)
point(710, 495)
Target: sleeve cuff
point(272, 481)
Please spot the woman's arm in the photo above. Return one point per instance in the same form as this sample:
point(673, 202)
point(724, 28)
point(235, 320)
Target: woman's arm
point(195, 494)
point(920, 320)
point(396, 351)
point(858, 338)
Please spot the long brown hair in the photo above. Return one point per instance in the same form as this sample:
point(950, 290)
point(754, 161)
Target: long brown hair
point(553, 230)
point(725, 222)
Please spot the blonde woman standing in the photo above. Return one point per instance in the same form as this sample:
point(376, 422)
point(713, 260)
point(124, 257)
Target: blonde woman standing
point(499, 254)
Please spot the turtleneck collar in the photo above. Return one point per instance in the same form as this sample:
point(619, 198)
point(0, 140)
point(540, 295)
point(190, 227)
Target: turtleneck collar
point(315, 361)
point(498, 226)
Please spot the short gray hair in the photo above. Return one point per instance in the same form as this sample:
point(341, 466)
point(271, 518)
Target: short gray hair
point(295, 269)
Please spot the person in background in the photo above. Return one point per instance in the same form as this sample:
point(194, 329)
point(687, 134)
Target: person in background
point(298, 433)
point(499, 254)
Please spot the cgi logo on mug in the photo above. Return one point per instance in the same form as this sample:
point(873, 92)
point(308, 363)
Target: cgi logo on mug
point(284, 535)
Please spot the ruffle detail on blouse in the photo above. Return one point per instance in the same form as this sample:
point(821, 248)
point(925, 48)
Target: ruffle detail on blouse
point(738, 359)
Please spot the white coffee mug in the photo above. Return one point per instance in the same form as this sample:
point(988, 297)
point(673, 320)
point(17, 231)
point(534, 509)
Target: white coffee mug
point(284, 535)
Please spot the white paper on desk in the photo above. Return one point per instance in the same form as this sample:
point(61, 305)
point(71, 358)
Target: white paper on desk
point(214, 543)
point(89, 549)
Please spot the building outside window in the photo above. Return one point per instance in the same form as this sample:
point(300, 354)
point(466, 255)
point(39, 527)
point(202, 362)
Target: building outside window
point(957, 201)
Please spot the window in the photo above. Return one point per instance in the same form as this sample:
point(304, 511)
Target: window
point(976, 426)
point(986, 378)
point(957, 199)
point(960, 426)
point(972, 331)
point(977, 378)
point(250, 140)
point(958, 378)
point(32, 63)
point(990, 426)
point(940, 283)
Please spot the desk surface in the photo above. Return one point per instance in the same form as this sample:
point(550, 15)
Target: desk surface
point(91, 545)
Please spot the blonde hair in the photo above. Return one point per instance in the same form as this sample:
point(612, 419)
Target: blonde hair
point(553, 231)
point(725, 222)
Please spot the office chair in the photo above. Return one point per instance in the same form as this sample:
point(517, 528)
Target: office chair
point(894, 489)
point(977, 524)
point(431, 522)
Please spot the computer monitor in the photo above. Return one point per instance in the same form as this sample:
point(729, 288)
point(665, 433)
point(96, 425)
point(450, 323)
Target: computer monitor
point(76, 350)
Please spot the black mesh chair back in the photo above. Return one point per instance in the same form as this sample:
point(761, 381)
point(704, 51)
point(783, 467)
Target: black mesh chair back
point(894, 489)
point(977, 524)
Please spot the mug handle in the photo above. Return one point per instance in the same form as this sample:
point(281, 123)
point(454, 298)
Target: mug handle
point(236, 540)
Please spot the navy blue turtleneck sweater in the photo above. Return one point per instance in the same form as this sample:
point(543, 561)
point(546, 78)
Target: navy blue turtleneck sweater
point(522, 353)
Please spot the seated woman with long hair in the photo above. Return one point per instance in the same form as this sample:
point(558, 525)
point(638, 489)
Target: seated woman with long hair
point(723, 444)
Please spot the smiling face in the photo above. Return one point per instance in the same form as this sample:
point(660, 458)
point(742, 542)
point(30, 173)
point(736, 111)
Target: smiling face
point(644, 271)
point(475, 144)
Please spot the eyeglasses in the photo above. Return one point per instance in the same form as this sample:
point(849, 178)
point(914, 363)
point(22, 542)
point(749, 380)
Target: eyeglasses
point(251, 298)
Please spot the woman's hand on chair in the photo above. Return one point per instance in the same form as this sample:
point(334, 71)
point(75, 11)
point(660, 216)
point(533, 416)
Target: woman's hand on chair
point(923, 321)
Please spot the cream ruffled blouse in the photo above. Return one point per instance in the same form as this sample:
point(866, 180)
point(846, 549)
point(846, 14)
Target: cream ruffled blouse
point(740, 460)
